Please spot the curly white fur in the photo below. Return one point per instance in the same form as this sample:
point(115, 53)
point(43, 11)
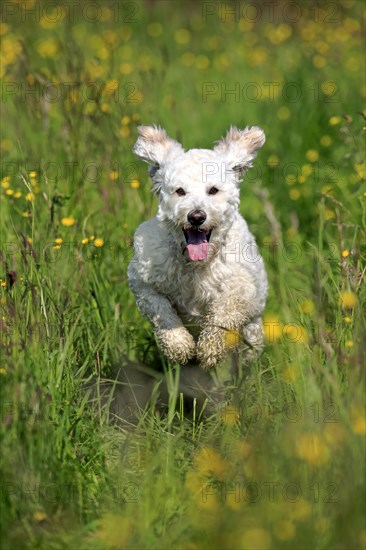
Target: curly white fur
point(196, 300)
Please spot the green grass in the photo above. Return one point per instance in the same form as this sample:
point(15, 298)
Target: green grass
point(282, 465)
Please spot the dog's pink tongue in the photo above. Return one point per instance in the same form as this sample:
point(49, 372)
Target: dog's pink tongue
point(197, 245)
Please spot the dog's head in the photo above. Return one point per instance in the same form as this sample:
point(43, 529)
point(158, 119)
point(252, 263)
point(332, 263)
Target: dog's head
point(198, 190)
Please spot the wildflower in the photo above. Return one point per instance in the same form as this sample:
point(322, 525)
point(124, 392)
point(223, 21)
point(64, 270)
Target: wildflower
point(39, 516)
point(113, 175)
point(126, 68)
point(3, 284)
point(329, 214)
point(58, 240)
point(124, 132)
point(312, 449)
point(273, 159)
point(334, 120)
point(2, 370)
point(283, 113)
point(68, 221)
point(296, 333)
point(125, 120)
point(202, 62)
point(33, 174)
point(307, 307)
point(312, 155)
point(347, 319)
point(359, 424)
point(25, 214)
point(284, 530)
point(91, 238)
point(135, 118)
point(30, 197)
point(182, 36)
point(5, 182)
point(210, 461)
point(154, 29)
point(232, 338)
point(105, 108)
point(9, 192)
point(347, 299)
point(230, 416)
point(17, 195)
point(345, 253)
point(98, 242)
point(291, 373)
point(325, 141)
point(255, 539)
point(272, 328)
point(135, 184)
point(348, 344)
point(57, 247)
point(30, 240)
point(294, 194)
point(85, 241)
point(125, 225)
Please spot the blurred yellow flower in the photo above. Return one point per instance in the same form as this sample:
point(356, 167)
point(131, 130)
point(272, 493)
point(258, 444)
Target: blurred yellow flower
point(5, 182)
point(68, 221)
point(283, 113)
point(319, 61)
point(125, 120)
point(30, 197)
point(359, 424)
point(294, 194)
point(347, 319)
point(348, 344)
point(124, 132)
point(202, 62)
point(17, 195)
point(325, 141)
point(334, 120)
point(290, 373)
point(272, 328)
point(48, 48)
point(113, 175)
point(3, 370)
point(296, 333)
point(182, 36)
point(99, 242)
point(154, 29)
point(345, 253)
point(307, 307)
point(135, 117)
point(9, 192)
point(329, 214)
point(232, 338)
point(284, 530)
point(85, 241)
point(3, 283)
point(91, 238)
point(209, 461)
point(58, 240)
point(311, 448)
point(255, 538)
point(230, 415)
point(312, 155)
point(273, 159)
point(347, 299)
point(57, 247)
point(126, 68)
point(300, 510)
point(39, 516)
point(135, 184)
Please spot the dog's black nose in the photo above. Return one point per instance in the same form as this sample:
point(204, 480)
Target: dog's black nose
point(196, 217)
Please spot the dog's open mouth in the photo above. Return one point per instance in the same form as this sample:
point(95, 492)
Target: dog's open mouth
point(197, 243)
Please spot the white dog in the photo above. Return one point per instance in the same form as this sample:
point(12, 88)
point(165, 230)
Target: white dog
point(197, 274)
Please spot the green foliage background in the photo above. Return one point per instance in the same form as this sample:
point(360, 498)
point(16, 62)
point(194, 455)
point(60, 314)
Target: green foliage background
point(282, 467)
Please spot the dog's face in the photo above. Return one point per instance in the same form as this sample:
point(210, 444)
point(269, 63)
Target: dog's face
point(199, 189)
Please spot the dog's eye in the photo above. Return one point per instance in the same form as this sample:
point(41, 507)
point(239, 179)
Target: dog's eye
point(180, 192)
point(213, 191)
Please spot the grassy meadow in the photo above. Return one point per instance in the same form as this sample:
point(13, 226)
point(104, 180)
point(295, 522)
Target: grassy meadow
point(280, 465)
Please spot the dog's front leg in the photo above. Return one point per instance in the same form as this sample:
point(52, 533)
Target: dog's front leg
point(222, 327)
point(173, 338)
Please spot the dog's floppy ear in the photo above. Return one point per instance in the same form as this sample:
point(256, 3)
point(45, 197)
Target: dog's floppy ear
point(155, 147)
point(239, 147)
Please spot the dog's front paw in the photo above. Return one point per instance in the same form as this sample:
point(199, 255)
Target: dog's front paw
point(211, 346)
point(177, 344)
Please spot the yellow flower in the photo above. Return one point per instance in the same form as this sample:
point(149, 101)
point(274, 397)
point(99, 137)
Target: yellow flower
point(273, 159)
point(272, 328)
point(307, 307)
point(91, 238)
point(30, 240)
point(230, 416)
point(30, 197)
point(9, 192)
point(57, 247)
point(284, 530)
point(291, 373)
point(25, 214)
point(329, 214)
point(283, 113)
point(345, 253)
point(334, 120)
point(154, 29)
point(39, 516)
point(5, 182)
point(126, 68)
point(210, 461)
point(347, 319)
point(325, 141)
point(125, 120)
point(2, 370)
point(125, 225)
point(98, 242)
point(182, 36)
point(113, 175)
point(312, 155)
point(3, 283)
point(348, 344)
point(296, 333)
point(17, 195)
point(294, 194)
point(202, 62)
point(68, 221)
point(311, 448)
point(135, 184)
point(347, 299)
point(300, 510)
point(33, 174)
point(255, 538)
point(135, 117)
point(232, 338)
point(359, 424)
point(58, 240)
point(85, 241)
point(124, 132)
